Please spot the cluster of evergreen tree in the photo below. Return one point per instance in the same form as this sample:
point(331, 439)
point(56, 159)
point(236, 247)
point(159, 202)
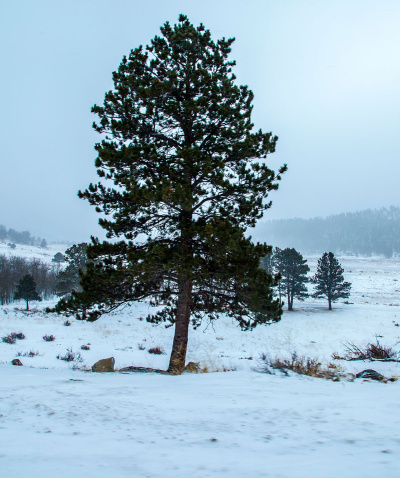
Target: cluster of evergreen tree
point(13, 269)
point(23, 237)
point(291, 270)
point(361, 233)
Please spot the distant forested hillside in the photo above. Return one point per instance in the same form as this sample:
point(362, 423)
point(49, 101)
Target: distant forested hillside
point(23, 237)
point(361, 233)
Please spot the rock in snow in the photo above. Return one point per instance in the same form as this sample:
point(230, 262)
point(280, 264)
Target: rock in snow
point(372, 374)
point(104, 365)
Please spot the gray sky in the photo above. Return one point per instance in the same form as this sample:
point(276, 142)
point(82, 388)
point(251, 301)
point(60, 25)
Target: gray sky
point(325, 75)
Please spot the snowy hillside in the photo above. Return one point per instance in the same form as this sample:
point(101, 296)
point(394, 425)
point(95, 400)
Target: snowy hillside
point(21, 250)
point(57, 420)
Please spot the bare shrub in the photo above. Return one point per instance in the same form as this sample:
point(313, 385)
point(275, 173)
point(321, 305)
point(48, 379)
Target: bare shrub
point(49, 338)
point(300, 365)
point(19, 335)
point(32, 353)
point(156, 350)
point(9, 339)
point(141, 347)
point(71, 356)
point(85, 347)
point(67, 323)
point(371, 352)
point(12, 338)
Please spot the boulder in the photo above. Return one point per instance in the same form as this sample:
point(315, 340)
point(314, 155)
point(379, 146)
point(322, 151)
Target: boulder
point(16, 362)
point(192, 367)
point(104, 365)
point(371, 374)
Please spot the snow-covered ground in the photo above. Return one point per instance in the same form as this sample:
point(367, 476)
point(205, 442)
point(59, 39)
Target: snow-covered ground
point(57, 421)
point(31, 252)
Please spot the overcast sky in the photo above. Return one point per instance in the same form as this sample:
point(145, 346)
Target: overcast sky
point(325, 75)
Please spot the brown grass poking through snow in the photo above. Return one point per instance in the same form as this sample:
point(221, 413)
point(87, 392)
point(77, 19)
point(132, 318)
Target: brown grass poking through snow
point(301, 365)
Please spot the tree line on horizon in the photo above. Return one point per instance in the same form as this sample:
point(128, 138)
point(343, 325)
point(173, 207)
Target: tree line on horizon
point(362, 233)
point(20, 237)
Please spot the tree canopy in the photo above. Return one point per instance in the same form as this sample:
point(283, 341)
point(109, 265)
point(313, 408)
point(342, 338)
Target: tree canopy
point(183, 175)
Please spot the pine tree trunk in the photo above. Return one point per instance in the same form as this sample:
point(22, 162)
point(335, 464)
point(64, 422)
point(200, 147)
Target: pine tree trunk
point(179, 347)
point(330, 303)
point(27, 305)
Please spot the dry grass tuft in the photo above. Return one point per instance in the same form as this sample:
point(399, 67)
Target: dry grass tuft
point(32, 353)
point(301, 365)
point(71, 356)
point(211, 366)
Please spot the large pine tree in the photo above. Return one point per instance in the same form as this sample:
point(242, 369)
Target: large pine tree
point(181, 183)
point(329, 281)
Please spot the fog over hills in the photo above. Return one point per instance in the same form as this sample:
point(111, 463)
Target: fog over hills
point(365, 232)
point(325, 77)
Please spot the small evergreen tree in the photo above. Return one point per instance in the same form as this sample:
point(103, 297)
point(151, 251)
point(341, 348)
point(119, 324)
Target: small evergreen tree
point(329, 281)
point(26, 289)
point(58, 258)
point(293, 272)
point(43, 244)
point(69, 279)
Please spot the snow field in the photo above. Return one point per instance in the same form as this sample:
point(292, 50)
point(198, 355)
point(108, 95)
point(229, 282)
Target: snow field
point(234, 424)
point(56, 421)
